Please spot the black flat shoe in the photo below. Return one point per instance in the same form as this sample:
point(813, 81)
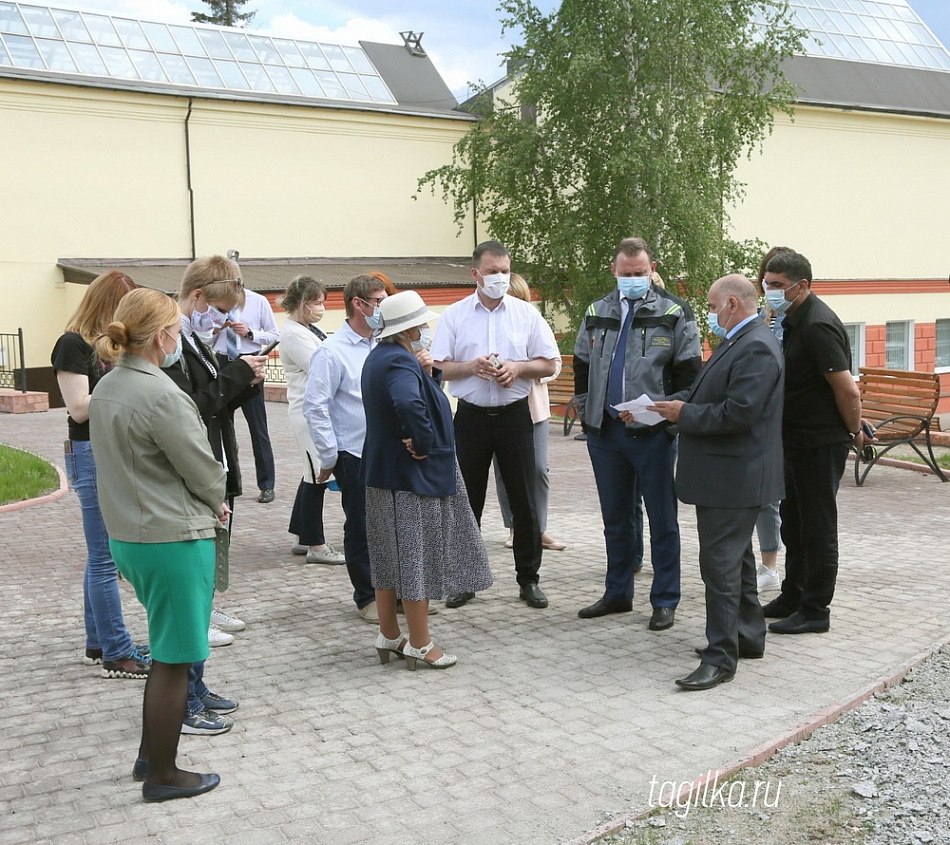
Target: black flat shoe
point(662, 618)
point(603, 607)
point(266, 497)
point(154, 792)
point(531, 593)
point(458, 599)
point(706, 676)
point(799, 624)
point(776, 609)
point(139, 770)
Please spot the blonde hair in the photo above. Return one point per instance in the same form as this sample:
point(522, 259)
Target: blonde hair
point(518, 287)
point(99, 303)
point(139, 318)
point(218, 277)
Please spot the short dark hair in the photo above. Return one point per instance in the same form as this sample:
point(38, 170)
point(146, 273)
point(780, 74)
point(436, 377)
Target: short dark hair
point(632, 247)
point(489, 248)
point(792, 265)
point(360, 287)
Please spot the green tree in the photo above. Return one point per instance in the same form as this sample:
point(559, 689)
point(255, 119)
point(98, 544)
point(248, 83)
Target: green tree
point(224, 13)
point(627, 117)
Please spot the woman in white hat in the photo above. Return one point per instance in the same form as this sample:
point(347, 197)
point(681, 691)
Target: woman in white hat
point(424, 541)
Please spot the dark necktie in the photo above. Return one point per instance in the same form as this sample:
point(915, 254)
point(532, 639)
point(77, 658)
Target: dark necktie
point(615, 382)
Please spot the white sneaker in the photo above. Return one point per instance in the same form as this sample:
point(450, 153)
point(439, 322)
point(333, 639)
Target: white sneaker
point(369, 612)
point(767, 579)
point(327, 555)
point(297, 549)
point(225, 622)
point(217, 637)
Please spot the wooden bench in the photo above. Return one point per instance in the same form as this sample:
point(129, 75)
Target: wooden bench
point(561, 393)
point(900, 404)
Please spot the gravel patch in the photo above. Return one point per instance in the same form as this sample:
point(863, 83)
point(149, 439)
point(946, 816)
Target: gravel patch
point(879, 775)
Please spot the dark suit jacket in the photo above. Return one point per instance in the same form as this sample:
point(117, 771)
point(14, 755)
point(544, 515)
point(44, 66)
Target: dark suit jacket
point(730, 452)
point(401, 400)
point(217, 398)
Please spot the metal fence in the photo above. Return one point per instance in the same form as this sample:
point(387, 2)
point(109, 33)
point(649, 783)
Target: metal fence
point(274, 371)
point(12, 366)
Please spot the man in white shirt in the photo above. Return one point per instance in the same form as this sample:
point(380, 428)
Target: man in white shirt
point(333, 406)
point(490, 348)
point(249, 329)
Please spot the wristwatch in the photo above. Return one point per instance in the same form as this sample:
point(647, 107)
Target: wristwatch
point(250, 335)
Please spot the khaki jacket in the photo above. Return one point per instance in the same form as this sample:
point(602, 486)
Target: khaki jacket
point(158, 480)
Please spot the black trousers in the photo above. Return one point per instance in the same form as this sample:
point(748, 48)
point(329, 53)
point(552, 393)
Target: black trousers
point(734, 616)
point(509, 436)
point(256, 415)
point(810, 528)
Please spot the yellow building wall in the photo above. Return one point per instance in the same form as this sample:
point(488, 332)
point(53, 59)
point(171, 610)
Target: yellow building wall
point(94, 173)
point(862, 195)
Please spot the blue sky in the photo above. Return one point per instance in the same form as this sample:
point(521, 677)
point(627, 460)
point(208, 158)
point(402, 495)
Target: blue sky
point(463, 37)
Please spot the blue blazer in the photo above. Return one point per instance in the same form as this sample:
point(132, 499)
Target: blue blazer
point(401, 400)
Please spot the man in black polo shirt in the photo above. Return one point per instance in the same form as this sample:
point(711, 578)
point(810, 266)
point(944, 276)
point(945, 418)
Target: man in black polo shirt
point(822, 418)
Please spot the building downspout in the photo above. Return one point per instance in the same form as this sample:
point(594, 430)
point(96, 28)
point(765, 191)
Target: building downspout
point(191, 190)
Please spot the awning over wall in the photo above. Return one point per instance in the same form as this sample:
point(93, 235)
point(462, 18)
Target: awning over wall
point(272, 275)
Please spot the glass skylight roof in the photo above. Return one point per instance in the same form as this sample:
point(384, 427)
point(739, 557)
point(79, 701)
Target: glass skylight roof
point(67, 41)
point(883, 31)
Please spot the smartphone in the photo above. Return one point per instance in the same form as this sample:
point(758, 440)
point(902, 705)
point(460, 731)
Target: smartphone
point(269, 348)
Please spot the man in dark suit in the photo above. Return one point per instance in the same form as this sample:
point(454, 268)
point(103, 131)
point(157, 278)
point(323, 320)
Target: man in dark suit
point(730, 463)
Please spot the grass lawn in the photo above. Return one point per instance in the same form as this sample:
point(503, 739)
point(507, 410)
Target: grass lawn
point(24, 476)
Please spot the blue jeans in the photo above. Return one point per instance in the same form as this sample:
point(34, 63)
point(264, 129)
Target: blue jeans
point(105, 627)
point(196, 689)
point(624, 469)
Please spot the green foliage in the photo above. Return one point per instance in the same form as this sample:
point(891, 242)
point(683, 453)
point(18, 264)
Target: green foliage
point(643, 109)
point(24, 476)
point(224, 13)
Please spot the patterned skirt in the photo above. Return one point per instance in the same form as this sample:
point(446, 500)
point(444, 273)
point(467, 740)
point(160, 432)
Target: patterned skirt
point(425, 547)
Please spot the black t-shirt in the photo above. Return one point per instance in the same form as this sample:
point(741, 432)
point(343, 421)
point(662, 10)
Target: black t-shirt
point(815, 343)
point(72, 354)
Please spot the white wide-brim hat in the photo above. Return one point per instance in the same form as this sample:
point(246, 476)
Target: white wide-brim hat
point(401, 311)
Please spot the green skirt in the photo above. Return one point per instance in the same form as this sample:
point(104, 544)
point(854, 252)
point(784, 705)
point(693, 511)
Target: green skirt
point(175, 584)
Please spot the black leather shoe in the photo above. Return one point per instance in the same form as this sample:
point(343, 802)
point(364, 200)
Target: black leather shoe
point(776, 609)
point(602, 607)
point(139, 770)
point(744, 653)
point(266, 497)
point(706, 676)
point(458, 599)
point(532, 595)
point(662, 618)
point(153, 792)
point(799, 624)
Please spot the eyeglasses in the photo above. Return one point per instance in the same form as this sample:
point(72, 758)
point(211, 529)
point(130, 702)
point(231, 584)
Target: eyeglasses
point(223, 282)
point(373, 300)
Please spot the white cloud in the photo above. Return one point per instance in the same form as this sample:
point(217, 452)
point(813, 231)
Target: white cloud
point(351, 33)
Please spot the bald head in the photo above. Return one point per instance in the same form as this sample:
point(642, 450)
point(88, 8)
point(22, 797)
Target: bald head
point(738, 288)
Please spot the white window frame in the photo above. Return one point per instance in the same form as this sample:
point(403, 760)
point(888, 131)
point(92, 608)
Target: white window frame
point(909, 324)
point(857, 348)
point(938, 369)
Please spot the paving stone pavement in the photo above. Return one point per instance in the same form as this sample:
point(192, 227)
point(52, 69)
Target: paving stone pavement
point(547, 723)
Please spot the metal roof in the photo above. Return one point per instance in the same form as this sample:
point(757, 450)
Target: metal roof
point(269, 275)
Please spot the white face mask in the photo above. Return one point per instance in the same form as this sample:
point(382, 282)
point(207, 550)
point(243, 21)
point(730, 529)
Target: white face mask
point(495, 285)
point(424, 341)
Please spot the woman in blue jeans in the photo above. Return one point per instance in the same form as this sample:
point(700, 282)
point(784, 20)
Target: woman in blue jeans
point(78, 369)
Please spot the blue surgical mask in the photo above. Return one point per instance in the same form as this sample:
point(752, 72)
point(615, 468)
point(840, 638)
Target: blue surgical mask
point(373, 319)
point(171, 359)
point(776, 300)
point(424, 341)
point(633, 287)
point(714, 327)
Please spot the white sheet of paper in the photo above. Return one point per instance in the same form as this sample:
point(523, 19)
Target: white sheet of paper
point(638, 407)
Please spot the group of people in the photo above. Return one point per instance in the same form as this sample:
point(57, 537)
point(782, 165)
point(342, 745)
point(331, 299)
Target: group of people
point(147, 395)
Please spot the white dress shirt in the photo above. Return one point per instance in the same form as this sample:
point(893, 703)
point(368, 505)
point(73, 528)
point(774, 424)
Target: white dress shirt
point(333, 401)
point(514, 329)
point(258, 316)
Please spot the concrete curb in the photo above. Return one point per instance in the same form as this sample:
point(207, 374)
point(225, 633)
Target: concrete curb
point(40, 500)
point(758, 755)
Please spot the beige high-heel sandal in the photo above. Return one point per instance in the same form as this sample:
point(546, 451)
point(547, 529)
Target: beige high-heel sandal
point(385, 647)
point(418, 655)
